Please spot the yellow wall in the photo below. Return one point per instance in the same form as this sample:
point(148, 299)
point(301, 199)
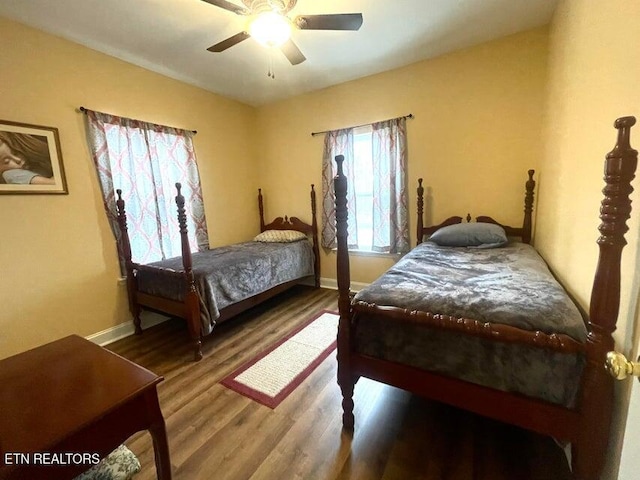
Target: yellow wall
point(479, 125)
point(594, 72)
point(57, 256)
point(476, 131)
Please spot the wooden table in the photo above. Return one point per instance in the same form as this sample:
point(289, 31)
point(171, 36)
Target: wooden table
point(73, 397)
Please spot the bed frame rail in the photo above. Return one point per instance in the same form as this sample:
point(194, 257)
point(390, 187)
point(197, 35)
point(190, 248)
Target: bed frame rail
point(496, 332)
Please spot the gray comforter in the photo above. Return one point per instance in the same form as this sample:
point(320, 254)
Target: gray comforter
point(510, 285)
point(229, 274)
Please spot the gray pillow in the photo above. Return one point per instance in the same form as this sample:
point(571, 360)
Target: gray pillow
point(479, 235)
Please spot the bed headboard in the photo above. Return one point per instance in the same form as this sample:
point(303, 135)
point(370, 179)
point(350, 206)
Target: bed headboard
point(523, 232)
point(294, 223)
point(290, 223)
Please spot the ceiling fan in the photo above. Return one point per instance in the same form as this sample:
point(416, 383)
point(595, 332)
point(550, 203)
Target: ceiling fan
point(270, 25)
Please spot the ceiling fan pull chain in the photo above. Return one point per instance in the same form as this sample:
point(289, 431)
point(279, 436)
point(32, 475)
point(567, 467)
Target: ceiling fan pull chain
point(271, 74)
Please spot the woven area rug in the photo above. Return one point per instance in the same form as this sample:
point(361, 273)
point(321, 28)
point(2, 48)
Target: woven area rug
point(276, 372)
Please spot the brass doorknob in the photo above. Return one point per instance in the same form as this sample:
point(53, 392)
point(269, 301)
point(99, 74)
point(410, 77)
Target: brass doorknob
point(620, 368)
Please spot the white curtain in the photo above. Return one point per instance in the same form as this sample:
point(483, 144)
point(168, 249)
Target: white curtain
point(337, 142)
point(390, 217)
point(145, 161)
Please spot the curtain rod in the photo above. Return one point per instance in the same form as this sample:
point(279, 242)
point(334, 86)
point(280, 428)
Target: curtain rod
point(84, 110)
point(313, 134)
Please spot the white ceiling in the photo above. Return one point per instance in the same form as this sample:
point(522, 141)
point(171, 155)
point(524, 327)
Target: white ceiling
point(171, 37)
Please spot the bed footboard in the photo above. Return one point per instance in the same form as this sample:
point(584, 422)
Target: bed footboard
point(596, 397)
point(346, 376)
point(125, 246)
point(191, 300)
point(190, 308)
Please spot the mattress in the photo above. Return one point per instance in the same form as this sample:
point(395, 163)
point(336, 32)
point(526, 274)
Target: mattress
point(511, 285)
point(229, 274)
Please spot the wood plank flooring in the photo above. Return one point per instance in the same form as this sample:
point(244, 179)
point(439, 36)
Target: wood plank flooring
point(215, 433)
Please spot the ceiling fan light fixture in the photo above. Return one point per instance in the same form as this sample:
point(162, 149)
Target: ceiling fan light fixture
point(270, 29)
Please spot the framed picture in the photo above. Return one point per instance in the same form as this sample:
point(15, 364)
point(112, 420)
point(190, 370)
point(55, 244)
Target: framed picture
point(30, 159)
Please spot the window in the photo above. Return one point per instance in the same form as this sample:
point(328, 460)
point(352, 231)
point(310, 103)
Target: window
point(363, 186)
point(375, 164)
point(145, 161)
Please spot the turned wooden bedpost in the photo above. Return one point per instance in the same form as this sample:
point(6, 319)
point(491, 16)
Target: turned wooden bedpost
point(261, 210)
point(192, 301)
point(316, 249)
point(528, 207)
point(125, 246)
point(596, 397)
point(345, 376)
point(420, 229)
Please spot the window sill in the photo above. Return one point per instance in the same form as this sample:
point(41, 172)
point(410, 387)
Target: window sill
point(368, 253)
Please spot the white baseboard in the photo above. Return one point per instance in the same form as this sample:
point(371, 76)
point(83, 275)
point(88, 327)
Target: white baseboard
point(332, 283)
point(110, 335)
point(149, 319)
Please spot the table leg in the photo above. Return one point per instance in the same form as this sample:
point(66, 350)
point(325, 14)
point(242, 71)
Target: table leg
point(158, 433)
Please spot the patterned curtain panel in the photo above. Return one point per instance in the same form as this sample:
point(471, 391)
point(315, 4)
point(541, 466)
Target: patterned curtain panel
point(390, 218)
point(337, 142)
point(145, 161)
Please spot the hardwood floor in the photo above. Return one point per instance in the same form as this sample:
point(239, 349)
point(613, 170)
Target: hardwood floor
point(215, 433)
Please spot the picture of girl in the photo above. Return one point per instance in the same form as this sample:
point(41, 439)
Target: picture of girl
point(25, 159)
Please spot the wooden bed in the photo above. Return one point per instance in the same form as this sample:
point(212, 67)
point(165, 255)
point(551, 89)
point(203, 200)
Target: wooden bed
point(188, 304)
point(585, 424)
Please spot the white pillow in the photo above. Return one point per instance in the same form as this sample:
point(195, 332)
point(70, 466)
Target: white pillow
point(280, 236)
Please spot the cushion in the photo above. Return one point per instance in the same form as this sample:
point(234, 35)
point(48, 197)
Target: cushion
point(280, 236)
point(121, 464)
point(479, 235)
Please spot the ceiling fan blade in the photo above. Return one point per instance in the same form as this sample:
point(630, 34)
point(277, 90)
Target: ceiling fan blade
point(292, 52)
point(232, 7)
point(338, 21)
point(229, 42)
